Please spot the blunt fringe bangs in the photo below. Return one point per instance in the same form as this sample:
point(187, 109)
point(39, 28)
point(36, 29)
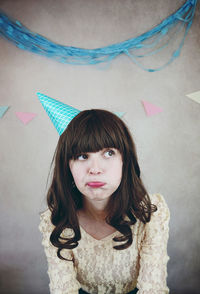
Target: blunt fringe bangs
point(91, 131)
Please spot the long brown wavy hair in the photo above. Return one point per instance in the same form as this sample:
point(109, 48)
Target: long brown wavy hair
point(91, 131)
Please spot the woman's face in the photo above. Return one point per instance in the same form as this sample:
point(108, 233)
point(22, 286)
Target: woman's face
point(97, 175)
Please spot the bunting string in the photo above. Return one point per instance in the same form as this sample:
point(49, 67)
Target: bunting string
point(149, 43)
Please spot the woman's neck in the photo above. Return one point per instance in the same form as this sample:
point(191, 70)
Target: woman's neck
point(94, 211)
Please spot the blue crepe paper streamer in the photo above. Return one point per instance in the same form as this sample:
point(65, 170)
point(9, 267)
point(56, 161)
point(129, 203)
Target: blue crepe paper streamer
point(24, 39)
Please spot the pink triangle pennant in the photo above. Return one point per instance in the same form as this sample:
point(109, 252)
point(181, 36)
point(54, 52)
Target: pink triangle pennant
point(150, 108)
point(25, 117)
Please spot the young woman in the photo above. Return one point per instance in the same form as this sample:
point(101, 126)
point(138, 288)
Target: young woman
point(102, 231)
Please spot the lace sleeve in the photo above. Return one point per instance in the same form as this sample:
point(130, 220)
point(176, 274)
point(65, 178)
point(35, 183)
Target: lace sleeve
point(62, 273)
point(153, 253)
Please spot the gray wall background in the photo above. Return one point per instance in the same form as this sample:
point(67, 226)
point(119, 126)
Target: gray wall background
point(167, 143)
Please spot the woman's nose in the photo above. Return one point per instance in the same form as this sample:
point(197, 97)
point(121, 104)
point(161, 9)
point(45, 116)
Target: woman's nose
point(95, 166)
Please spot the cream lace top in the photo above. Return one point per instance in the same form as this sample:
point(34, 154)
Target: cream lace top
point(98, 268)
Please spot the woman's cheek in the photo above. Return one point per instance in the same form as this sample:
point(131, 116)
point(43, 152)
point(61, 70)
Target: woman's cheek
point(78, 172)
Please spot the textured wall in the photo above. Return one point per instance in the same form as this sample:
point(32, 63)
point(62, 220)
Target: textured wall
point(167, 143)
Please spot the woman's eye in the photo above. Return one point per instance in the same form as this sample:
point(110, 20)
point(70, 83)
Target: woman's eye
point(82, 157)
point(109, 153)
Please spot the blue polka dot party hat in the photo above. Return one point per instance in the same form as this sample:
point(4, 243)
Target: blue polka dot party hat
point(60, 113)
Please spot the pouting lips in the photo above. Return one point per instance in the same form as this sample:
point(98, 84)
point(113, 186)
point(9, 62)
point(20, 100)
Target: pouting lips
point(95, 184)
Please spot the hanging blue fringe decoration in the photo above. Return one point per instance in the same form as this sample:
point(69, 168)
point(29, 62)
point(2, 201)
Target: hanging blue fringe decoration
point(152, 40)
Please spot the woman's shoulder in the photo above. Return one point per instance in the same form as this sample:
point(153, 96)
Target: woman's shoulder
point(45, 221)
point(46, 225)
point(162, 214)
point(45, 213)
point(159, 200)
point(45, 216)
